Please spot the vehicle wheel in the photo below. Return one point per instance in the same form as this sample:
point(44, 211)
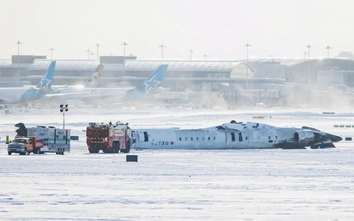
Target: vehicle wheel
point(36, 151)
point(59, 151)
point(127, 148)
point(9, 152)
point(116, 147)
point(106, 150)
point(94, 149)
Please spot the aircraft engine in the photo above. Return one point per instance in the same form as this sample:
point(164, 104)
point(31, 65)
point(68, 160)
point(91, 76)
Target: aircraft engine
point(303, 136)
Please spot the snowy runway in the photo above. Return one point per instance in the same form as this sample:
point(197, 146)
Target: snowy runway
point(178, 184)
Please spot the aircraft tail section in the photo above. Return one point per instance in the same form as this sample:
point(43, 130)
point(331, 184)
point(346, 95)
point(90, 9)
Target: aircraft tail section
point(46, 82)
point(153, 81)
point(156, 77)
point(95, 77)
point(44, 87)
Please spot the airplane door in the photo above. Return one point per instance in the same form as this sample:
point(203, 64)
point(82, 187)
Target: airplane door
point(134, 136)
point(230, 139)
point(143, 136)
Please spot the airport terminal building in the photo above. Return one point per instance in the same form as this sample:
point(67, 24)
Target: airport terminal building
point(253, 78)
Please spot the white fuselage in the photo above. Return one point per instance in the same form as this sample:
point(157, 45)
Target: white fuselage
point(232, 136)
point(12, 95)
point(64, 94)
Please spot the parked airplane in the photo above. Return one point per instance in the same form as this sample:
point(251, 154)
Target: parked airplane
point(95, 77)
point(234, 135)
point(17, 95)
point(116, 94)
point(149, 86)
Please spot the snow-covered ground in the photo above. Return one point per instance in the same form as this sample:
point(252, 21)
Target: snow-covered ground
point(179, 184)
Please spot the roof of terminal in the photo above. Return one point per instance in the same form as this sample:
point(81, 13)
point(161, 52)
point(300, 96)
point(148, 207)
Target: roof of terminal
point(196, 65)
point(179, 65)
point(130, 65)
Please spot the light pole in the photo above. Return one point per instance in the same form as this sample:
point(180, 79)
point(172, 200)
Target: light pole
point(88, 53)
point(271, 67)
point(308, 50)
point(64, 108)
point(51, 53)
point(124, 44)
point(97, 45)
point(162, 46)
point(307, 68)
point(18, 58)
point(191, 53)
point(307, 63)
point(328, 48)
point(247, 45)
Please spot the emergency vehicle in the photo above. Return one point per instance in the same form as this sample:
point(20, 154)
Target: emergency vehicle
point(40, 139)
point(110, 138)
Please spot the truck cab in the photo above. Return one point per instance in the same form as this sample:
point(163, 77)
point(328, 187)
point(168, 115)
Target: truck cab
point(20, 145)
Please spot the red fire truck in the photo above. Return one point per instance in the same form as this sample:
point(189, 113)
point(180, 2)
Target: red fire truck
point(109, 138)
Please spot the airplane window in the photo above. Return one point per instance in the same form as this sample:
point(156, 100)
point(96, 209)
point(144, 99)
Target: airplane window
point(214, 138)
point(180, 139)
point(202, 138)
point(233, 137)
point(197, 138)
point(186, 138)
point(270, 139)
point(239, 137)
point(208, 138)
point(191, 138)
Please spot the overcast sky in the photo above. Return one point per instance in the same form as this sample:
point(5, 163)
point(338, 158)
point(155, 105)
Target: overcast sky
point(217, 28)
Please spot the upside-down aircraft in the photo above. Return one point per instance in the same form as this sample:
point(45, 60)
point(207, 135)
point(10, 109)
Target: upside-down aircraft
point(17, 95)
point(118, 94)
point(234, 135)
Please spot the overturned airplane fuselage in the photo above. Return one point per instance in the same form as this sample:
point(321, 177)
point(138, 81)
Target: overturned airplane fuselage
point(234, 135)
